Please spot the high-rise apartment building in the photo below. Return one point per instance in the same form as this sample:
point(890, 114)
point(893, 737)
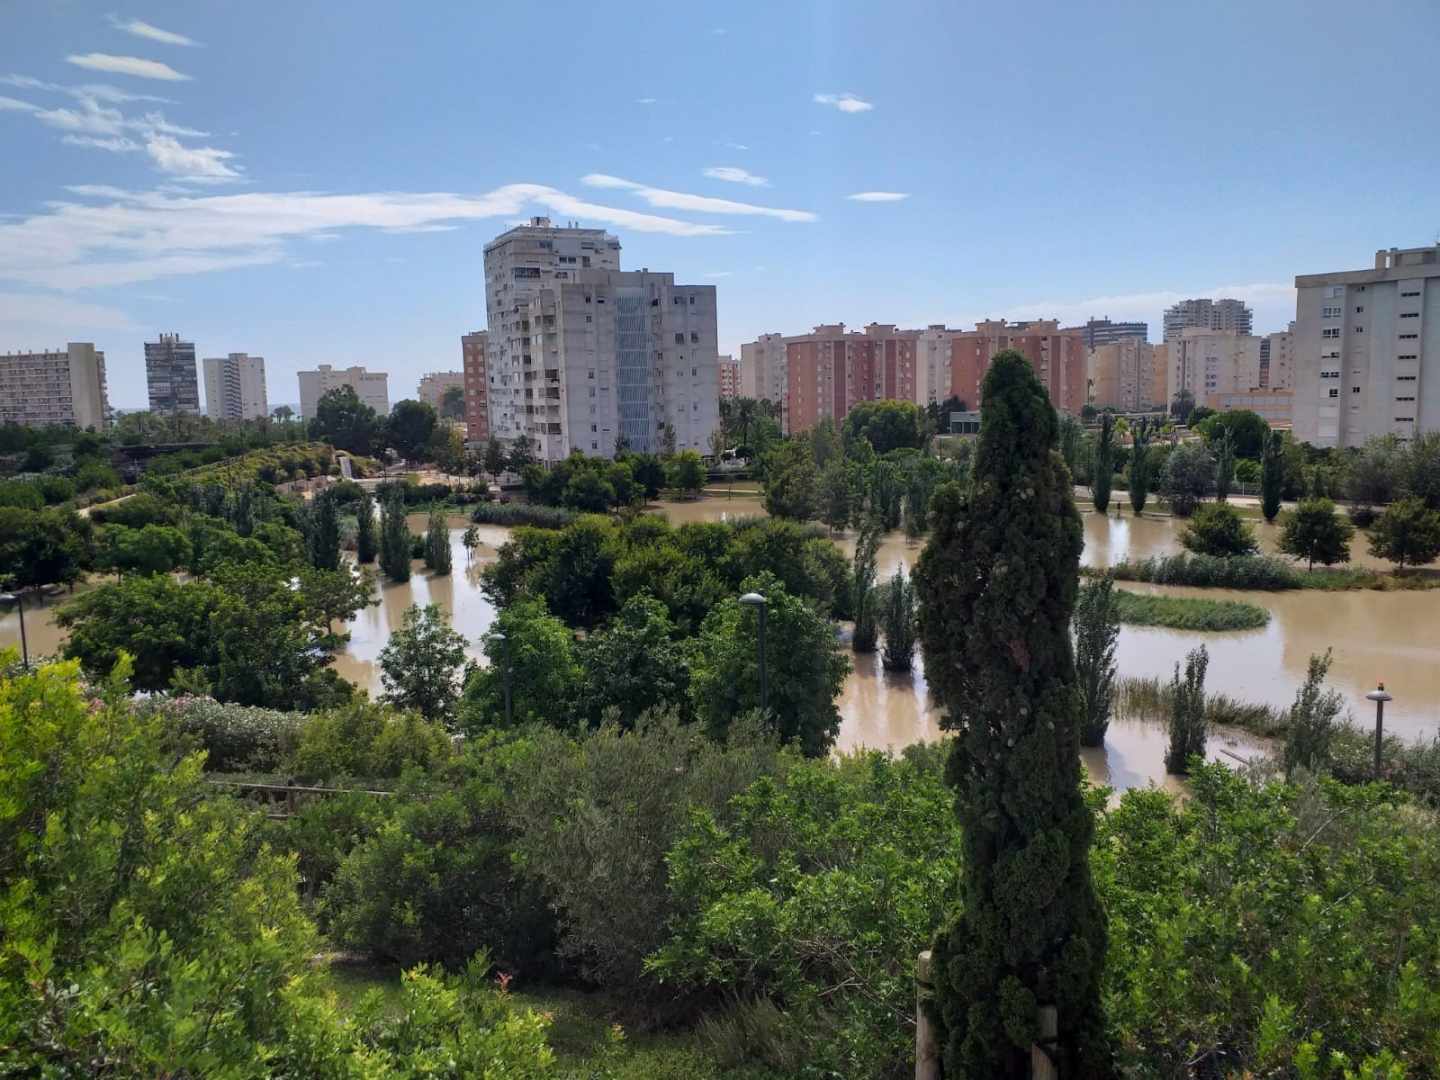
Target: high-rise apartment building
point(44, 389)
point(519, 264)
point(1206, 314)
point(762, 368)
point(1160, 371)
point(1122, 375)
point(235, 387)
point(170, 376)
point(1099, 332)
point(477, 395)
point(371, 387)
point(1277, 360)
point(1212, 364)
point(1367, 350)
point(829, 370)
point(729, 377)
point(434, 384)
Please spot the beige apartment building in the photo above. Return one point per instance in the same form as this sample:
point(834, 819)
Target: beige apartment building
point(1206, 314)
point(371, 387)
point(477, 398)
point(235, 387)
point(55, 388)
point(1276, 407)
point(434, 384)
point(1122, 375)
point(1213, 363)
point(762, 368)
point(729, 377)
point(1277, 360)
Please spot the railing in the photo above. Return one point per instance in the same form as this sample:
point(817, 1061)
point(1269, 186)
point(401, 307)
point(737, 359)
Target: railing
point(281, 801)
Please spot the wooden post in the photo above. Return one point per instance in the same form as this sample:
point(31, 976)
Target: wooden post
point(927, 1053)
point(1042, 1065)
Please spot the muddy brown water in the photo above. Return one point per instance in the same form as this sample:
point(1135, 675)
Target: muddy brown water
point(1394, 636)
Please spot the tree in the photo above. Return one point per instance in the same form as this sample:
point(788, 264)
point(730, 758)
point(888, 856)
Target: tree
point(1248, 430)
point(1070, 435)
point(155, 549)
point(886, 425)
point(1314, 532)
point(688, 473)
point(805, 669)
point(824, 442)
point(897, 621)
point(493, 460)
point(437, 543)
point(1406, 533)
point(345, 422)
point(667, 440)
point(395, 544)
point(471, 540)
point(43, 547)
point(634, 664)
point(1187, 713)
point(446, 449)
point(1313, 721)
point(1272, 476)
point(1183, 406)
point(862, 584)
point(887, 493)
point(420, 664)
point(1140, 466)
point(1375, 473)
point(837, 494)
point(535, 652)
point(365, 540)
point(997, 584)
point(324, 533)
point(791, 483)
point(588, 491)
point(1104, 464)
point(648, 472)
point(1097, 630)
point(1224, 464)
point(1218, 530)
point(1422, 469)
point(283, 413)
point(1188, 472)
point(522, 453)
point(408, 428)
point(452, 403)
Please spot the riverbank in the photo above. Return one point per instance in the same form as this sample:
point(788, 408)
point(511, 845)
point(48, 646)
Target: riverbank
point(1266, 573)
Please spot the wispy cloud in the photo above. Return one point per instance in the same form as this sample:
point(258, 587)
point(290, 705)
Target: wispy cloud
point(735, 175)
point(701, 204)
point(152, 33)
point(720, 273)
point(1274, 303)
point(39, 313)
point(645, 100)
point(111, 95)
point(16, 105)
point(846, 103)
point(736, 146)
point(118, 239)
point(879, 196)
point(197, 163)
point(127, 65)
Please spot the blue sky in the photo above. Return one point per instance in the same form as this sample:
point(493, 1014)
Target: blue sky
point(319, 180)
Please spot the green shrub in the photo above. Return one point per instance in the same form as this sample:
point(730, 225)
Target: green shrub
point(510, 514)
point(1188, 612)
point(235, 738)
point(1217, 529)
point(366, 740)
point(1209, 571)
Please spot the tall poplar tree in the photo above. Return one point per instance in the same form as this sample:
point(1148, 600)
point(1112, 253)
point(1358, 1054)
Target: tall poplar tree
point(1140, 467)
point(1104, 464)
point(325, 533)
point(1272, 475)
point(365, 539)
point(395, 541)
point(997, 586)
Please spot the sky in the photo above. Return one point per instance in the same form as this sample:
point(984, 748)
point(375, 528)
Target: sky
point(315, 183)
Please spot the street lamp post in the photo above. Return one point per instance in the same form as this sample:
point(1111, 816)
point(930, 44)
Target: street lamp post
point(758, 602)
point(1379, 696)
point(499, 636)
point(19, 602)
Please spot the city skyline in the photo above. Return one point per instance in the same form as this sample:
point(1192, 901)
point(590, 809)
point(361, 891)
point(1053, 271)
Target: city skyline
point(317, 217)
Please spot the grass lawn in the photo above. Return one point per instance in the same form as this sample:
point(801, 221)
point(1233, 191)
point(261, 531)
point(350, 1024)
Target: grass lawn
point(1188, 612)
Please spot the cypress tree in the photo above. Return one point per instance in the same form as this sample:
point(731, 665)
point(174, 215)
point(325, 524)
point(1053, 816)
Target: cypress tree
point(395, 541)
point(325, 534)
point(437, 542)
point(365, 531)
point(1140, 468)
point(1224, 465)
point(862, 584)
point(1272, 476)
point(1187, 712)
point(1104, 464)
point(1097, 631)
point(898, 623)
point(997, 586)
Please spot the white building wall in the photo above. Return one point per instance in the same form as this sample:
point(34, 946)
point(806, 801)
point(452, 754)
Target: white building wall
point(235, 387)
point(371, 387)
point(55, 387)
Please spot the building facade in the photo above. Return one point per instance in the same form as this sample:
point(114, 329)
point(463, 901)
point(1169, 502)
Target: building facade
point(1099, 332)
point(55, 388)
point(1213, 363)
point(170, 376)
point(477, 396)
point(830, 369)
point(235, 387)
point(1122, 375)
point(1277, 360)
point(762, 369)
point(729, 377)
point(519, 264)
point(371, 387)
point(1367, 350)
point(434, 384)
point(1206, 314)
point(1276, 407)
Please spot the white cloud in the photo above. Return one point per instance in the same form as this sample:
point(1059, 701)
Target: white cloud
point(153, 33)
point(142, 236)
point(736, 146)
point(16, 105)
point(1274, 304)
point(720, 273)
point(701, 204)
point(846, 103)
point(54, 319)
point(128, 65)
point(879, 196)
point(198, 163)
point(116, 145)
point(111, 95)
point(732, 174)
point(645, 101)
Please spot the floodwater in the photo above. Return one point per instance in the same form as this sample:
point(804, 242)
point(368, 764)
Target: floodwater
point(1394, 636)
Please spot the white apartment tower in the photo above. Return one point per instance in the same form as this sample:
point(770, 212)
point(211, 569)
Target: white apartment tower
point(519, 264)
point(762, 368)
point(1367, 350)
point(371, 387)
point(1206, 314)
point(60, 387)
point(235, 387)
point(1213, 363)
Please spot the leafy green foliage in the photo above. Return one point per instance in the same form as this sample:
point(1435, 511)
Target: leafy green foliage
point(1247, 430)
point(862, 585)
point(346, 422)
point(1313, 720)
point(324, 533)
point(1097, 631)
point(43, 547)
point(155, 549)
point(1218, 530)
point(897, 622)
point(1187, 712)
point(395, 541)
point(1406, 533)
point(1314, 532)
point(886, 425)
point(536, 653)
point(1187, 612)
point(792, 484)
point(1142, 465)
point(839, 490)
point(420, 664)
point(634, 664)
point(687, 474)
point(1224, 447)
point(1189, 474)
point(997, 585)
point(409, 427)
point(1272, 476)
point(366, 543)
point(1104, 469)
point(437, 543)
point(1211, 571)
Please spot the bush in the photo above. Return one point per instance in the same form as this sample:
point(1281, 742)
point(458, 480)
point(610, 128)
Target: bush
point(1218, 530)
point(1188, 612)
point(511, 514)
point(1187, 713)
point(1209, 571)
point(235, 738)
point(367, 741)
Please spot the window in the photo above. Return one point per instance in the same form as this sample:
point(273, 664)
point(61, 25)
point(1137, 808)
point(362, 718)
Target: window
point(592, 429)
point(1409, 314)
point(1359, 329)
point(1404, 419)
point(1408, 337)
point(694, 338)
point(1332, 291)
point(1354, 389)
point(1330, 312)
point(1329, 374)
point(1404, 399)
point(1334, 393)
point(1330, 332)
point(679, 339)
point(1407, 356)
point(1415, 293)
point(1359, 308)
point(692, 301)
point(590, 318)
point(1404, 378)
